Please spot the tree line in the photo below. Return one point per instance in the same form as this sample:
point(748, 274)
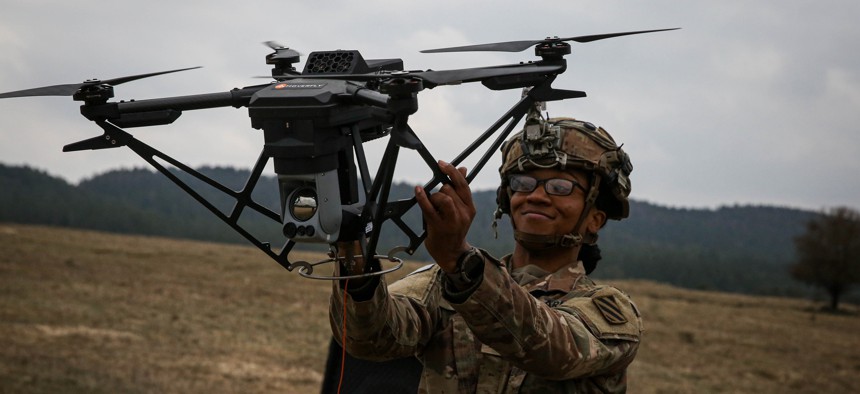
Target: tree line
point(747, 249)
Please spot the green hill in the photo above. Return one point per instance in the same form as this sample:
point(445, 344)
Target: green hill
point(739, 248)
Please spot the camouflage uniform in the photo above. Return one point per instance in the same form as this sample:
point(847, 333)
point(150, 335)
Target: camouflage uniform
point(527, 331)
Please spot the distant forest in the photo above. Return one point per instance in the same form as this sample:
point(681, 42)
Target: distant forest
point(743, 249)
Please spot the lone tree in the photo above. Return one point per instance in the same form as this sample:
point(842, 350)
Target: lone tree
point(829, 252)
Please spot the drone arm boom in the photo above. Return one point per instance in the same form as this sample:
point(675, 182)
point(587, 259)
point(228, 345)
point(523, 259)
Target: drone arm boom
point(242, 198)
point(161, 111)
point(234, 98)
point(368, 96)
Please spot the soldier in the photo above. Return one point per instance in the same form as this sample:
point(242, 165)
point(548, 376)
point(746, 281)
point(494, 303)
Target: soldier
point(532, 322)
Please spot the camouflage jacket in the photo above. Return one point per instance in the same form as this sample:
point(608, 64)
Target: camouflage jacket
point(529, 331)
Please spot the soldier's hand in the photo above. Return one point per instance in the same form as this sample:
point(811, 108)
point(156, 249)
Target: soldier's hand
point(350, 258)
point(448, 214)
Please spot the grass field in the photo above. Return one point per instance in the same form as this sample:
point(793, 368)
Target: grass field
point(92, 312)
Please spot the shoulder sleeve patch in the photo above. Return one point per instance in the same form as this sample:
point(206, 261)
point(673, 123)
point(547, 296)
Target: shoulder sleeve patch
point(608, 313)
point(608, 306)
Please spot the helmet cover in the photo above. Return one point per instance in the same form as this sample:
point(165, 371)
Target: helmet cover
point(567, 143)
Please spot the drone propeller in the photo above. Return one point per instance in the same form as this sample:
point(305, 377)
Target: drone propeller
point(273, 45)
point(518, 46)
point(433, 78)
point(277, 46)
point(70, 89)
point(447, 77)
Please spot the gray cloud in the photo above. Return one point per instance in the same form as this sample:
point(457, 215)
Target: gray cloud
point(751, 103)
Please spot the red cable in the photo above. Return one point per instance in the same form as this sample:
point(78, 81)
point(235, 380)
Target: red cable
point(343, 340)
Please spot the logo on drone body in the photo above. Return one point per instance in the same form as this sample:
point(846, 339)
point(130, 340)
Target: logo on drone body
point(299, 86)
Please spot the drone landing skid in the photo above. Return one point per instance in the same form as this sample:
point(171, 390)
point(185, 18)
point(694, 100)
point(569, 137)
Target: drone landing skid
point(115, 137)
point(307, 269)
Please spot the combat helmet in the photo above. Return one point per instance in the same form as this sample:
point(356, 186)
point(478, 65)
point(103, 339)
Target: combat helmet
point(568, 144)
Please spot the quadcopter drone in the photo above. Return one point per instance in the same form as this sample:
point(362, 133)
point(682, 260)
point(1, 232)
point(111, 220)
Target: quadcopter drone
point(314, 124)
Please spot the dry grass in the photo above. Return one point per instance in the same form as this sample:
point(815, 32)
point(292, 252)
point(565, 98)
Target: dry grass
point(712, 342)
point(94, 312)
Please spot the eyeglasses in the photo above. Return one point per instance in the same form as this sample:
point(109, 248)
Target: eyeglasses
point(553, 186)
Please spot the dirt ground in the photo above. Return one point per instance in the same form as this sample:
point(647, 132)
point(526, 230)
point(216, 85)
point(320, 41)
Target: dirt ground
point(92, 312)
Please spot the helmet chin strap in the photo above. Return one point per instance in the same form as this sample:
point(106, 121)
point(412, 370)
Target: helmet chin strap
point(540, 242)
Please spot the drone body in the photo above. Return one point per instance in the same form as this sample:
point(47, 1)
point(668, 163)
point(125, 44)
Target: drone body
point(314, 125)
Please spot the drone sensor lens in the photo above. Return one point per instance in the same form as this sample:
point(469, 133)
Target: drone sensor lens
point(303, 204)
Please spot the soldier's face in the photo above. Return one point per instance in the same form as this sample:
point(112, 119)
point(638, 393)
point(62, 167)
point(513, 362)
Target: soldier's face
point(542, 213)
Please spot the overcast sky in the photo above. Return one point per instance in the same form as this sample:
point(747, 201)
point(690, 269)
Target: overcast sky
point(750, 103)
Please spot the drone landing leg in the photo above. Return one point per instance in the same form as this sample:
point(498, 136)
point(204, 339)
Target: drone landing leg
point(107, 140)
point(407, 138)
point(512, 118)
point(369, 210)
point(243, 198)
point(380, 191)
